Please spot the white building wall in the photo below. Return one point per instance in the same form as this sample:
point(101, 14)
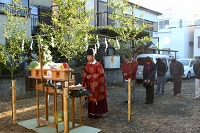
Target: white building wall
point(188, 37)
point(177, 41)
point(145, 15)
point(41, 2)
point(196, 48)
point(177, 36)
point(2, 21)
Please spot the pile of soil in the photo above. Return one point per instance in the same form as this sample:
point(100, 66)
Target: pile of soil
point(169, 114)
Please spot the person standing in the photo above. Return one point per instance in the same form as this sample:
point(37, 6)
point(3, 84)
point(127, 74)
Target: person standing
point(176, 71)
point(149, 72)
point(196, 68)
point(93, 79)
point(129, 68)
point(161, 71)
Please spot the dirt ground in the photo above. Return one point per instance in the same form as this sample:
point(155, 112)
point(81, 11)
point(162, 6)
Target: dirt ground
point(168, 114)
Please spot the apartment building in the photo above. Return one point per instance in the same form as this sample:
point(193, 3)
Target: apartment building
point(101, 13)
point(197, 36)
point(176, 32)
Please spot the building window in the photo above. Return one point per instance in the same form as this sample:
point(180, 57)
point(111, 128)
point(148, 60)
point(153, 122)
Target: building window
point(198, 41)
point(7, 5)
point(6, 1)
point(24, 2)
point(89, 6)
point(34, 19)
point(150, 25)
point(37, 16)
point(103, 0)
point(102, 14)
point(163, 24)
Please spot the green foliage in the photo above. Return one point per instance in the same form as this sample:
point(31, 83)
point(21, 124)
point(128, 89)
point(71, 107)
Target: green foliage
point(4, 69)
point(2, 58)
point(15, 34)
point(79, 93)
point(142, 34)
point(32, 65)
point(80, 59)
point(43, 44)
point(71, 23)
point(127, 26)
point(142, 47)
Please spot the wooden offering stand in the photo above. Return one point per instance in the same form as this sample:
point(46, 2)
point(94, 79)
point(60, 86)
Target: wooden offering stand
point(57, 75)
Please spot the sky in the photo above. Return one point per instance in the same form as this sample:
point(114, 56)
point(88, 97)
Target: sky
point(189, 6)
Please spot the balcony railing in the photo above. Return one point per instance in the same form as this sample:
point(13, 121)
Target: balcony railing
point(35, 19)
point(14, 10)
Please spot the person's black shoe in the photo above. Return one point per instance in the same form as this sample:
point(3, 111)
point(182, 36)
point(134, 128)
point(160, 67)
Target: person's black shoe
point(148, 102)
point(96, 116)
point(157, 92)
point(90, 116)
point(126, 101)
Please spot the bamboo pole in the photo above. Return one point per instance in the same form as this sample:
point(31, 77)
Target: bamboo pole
point(129, 99)
point(80, 111)
point(66, 108)
point(14, 120)
point(73, 78)
point(38, 103)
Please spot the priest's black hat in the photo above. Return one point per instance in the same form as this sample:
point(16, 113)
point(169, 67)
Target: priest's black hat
point(90, 51)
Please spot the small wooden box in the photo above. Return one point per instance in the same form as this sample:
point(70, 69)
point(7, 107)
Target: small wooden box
point(44, 72)
point(60, 74)
point(35, 73)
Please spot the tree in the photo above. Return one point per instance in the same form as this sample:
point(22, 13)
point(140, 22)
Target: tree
point(127, 25)
point(71, 25)
point(141, 46)
point(15, 35)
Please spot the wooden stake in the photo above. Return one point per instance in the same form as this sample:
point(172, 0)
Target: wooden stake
point(129, 99)
point(73, 77)
point(14, 101)
point(80, 111)
point(66, 108)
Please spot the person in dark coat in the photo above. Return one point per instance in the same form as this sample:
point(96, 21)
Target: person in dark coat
point(196, 68)
point(161, 71)
point(149, 72)
point(176, 71)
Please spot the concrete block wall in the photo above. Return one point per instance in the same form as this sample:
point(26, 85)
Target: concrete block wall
point(113, 76)
point(5, 88)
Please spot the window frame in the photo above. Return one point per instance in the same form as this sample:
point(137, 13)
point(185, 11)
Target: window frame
point(163, 24)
